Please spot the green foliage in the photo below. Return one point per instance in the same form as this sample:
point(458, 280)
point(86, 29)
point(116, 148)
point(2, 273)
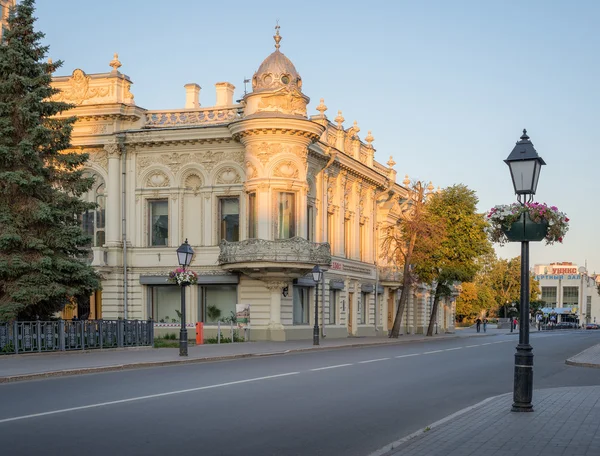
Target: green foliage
point(224, 340)
point(41, 240)
point(213, 312)
point(453, 259)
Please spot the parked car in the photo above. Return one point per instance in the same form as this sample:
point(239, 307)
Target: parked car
point(592, 326)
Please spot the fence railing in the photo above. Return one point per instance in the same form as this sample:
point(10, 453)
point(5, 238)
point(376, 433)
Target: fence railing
point(46, 336)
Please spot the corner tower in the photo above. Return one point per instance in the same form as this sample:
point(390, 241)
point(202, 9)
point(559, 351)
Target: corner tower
point(276, 133)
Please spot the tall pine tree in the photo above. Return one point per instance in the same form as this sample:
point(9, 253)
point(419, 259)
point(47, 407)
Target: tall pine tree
point(41, 239)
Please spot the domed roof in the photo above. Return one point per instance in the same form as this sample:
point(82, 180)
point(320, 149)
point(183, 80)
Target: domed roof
point(276, 72)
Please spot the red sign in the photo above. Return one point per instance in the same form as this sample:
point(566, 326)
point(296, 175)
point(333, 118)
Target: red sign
point(564, 270)
point(337, 265)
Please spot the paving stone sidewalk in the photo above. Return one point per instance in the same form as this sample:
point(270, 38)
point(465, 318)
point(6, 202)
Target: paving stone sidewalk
point(31, 366)
point(565, 421)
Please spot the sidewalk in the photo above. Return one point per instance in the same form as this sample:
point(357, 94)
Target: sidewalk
point(30, 366)
point(565, 421)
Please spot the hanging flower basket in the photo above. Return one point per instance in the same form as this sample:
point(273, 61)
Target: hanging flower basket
point(527, 222)
point(183, 277)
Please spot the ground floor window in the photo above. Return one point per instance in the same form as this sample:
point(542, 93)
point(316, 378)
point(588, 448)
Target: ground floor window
point(301, 305)
point(165, 303)
point(217, 302)
point(333, 305)
point(362, 308)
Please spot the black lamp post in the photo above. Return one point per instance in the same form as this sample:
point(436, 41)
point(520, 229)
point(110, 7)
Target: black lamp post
point(317, 273)
point(525, 165)
point(184, 257)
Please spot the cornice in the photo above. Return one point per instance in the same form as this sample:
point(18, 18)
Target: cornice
point(276, 126)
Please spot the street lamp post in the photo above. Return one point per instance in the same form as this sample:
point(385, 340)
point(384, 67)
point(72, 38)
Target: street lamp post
point(184, 257)
point(317, 273)
point(525, 166)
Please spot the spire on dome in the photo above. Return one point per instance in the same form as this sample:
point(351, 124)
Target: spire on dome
point(277, 37)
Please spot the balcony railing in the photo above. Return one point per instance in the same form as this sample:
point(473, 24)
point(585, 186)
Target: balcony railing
point(173, 118)
point(294, 250)
point(390, 274)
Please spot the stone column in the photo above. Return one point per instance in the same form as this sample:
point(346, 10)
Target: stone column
point(113, 188)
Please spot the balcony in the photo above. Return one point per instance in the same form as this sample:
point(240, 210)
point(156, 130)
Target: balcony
point(279, 259)
point(391, 274)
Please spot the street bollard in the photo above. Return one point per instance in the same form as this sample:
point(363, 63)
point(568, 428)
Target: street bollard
point(199, 333)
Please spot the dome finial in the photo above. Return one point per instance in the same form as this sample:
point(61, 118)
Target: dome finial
point(277, 37)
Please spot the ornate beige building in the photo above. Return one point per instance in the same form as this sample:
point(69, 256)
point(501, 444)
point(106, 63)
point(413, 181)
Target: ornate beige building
point(5, 6)
point(261, 190)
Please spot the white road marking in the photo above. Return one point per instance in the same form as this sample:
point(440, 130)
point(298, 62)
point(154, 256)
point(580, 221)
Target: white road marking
point(373, 360)
point(488, 343)
point(450, 349)
point(141, 398)
point(331, 367)
point(406, 356)
point(434, 351)
point(471, 346)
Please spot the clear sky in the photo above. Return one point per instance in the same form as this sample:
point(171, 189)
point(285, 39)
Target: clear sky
point(445, 86)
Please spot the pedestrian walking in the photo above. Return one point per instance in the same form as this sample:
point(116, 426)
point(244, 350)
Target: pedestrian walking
point(485, 322)
point(478, 324)
point(539, 321)
point(515, 323)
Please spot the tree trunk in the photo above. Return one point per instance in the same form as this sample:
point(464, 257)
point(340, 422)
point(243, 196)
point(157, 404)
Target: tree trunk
point(400, 311)
point(433, 316)
point(406, 279)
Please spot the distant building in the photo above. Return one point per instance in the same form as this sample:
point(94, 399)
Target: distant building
point(568, 290)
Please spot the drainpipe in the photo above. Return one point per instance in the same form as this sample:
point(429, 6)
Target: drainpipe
point(325, 234)
point(124, 223)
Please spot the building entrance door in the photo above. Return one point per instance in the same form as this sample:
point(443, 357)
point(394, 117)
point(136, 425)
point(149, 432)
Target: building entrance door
point(350, 313)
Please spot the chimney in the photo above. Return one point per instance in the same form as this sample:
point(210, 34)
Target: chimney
point(224, 94)
point(192, 96)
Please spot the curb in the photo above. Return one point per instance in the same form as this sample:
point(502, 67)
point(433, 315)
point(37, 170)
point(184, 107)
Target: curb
point(387, 450)
point(571, 361)
point(150, 364)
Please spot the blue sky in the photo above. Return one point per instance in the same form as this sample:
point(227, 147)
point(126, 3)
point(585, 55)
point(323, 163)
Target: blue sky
point(445, 86)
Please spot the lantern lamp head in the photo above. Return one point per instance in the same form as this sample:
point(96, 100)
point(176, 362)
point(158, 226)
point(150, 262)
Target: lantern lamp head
point(525, 165)
point(185, 254)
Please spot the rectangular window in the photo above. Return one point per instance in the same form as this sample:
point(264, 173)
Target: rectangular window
point(252, 217)
point(347, 237)
point(309, 223)
point(362, 308)
point(165, 303)
point(286, 228)
point(330, 231)
point(159, 222)
point(229, 212)
point(217, 302)
point(301, 305)
point(588, 307)
point(333, 305)
point(361, 241)
point(570, 296)
point(549, 296)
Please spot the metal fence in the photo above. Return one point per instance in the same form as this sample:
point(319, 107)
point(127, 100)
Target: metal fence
point(45, 336)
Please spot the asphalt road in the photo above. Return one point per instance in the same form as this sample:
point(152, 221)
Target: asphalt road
point(346, 402)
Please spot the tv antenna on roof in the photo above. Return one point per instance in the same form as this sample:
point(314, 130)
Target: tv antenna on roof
point(246, 81)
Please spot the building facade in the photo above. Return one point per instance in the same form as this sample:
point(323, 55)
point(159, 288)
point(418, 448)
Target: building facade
point(569, 291)
point(5, 6)
point(261, 190)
